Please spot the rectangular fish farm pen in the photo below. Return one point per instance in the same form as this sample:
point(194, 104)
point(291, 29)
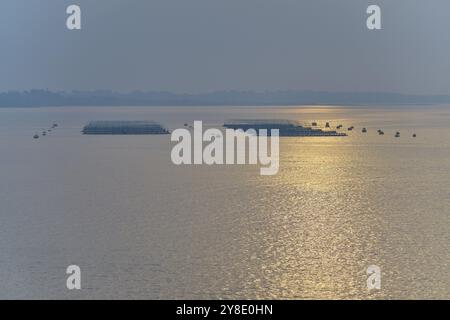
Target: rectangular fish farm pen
point(286, 128)
point(124, 127)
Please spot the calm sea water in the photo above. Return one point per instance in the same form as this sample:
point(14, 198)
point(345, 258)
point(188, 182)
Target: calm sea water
point(142, 228)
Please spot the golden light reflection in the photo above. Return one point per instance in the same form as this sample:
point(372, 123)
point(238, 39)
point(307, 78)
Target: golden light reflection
point(321, 226)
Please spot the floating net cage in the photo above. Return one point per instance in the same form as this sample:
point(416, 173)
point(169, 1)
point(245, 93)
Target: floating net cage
point(124, 127)
point(286, 128)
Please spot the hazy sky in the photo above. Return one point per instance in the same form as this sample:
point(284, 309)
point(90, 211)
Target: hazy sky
point(207, 45)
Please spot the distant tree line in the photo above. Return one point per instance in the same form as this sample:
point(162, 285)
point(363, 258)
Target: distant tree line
point(41, 98)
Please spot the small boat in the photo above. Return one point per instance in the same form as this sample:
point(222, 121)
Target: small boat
point(364, 130)
point(36, 136)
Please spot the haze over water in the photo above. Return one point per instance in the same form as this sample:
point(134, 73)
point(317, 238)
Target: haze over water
point(142, 228)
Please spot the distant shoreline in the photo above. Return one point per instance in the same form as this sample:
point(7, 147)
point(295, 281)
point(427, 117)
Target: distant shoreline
point(286, 106)
point(45, 98)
